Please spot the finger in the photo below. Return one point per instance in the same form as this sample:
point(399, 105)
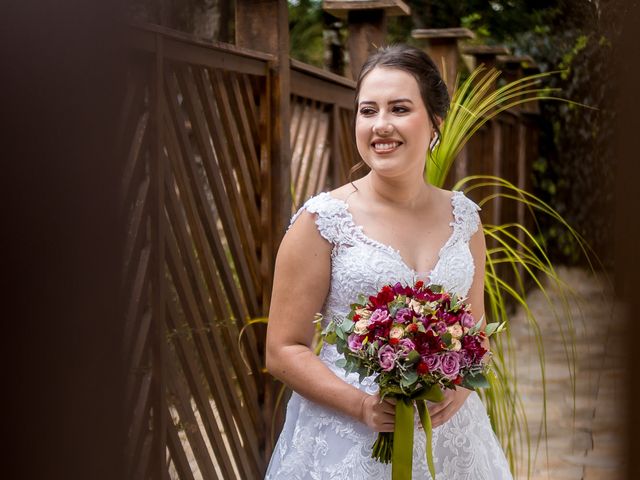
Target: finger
point(444, 415)
point(438, 407)
point(390, 400)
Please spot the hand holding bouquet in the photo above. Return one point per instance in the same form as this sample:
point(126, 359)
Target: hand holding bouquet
point(418, 340)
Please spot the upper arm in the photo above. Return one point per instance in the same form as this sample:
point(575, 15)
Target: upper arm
point(300, 285)
point(478, 248)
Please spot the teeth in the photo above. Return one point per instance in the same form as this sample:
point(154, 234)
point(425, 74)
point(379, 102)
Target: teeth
point(385, 146)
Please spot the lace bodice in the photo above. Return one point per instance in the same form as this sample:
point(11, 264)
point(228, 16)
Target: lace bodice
point(360, 264)
point(321, 444)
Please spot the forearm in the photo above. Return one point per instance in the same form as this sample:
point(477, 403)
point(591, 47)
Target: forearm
point(301, 370)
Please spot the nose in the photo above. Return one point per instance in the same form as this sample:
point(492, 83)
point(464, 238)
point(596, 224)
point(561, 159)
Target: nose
point(382, 125)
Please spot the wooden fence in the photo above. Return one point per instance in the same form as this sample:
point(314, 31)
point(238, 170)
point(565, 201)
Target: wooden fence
point(199, 259)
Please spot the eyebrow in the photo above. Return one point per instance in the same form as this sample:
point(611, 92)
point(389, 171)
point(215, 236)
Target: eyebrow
point(398, 100)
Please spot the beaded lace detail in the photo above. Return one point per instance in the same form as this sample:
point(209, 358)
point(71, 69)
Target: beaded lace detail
point(317, 443)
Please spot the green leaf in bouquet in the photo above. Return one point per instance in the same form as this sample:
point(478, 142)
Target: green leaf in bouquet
point(446, 339)
point(347, 326)
point(436, 288)
point(341, 362)
point(493, 328)
point(474, 381)
point(421, 328)
point(409, 378)
point(413, 357)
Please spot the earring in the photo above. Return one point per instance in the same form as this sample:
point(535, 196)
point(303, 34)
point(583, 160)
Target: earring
point(434, 142)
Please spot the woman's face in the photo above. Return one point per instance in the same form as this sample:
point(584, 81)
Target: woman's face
point(393, 130)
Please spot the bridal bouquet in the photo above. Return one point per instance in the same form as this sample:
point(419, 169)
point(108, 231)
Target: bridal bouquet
point(419, 339)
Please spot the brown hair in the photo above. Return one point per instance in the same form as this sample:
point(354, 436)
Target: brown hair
point(414, 61)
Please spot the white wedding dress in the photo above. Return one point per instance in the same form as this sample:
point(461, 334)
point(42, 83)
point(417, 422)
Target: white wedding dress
point(318, 443)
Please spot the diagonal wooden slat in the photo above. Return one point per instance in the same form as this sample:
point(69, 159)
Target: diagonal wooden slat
point(188, 422)
point(228, 213)
point(309, 143)
point(177, 454)
point(217, 190)
point(220, 84)
point(219, 379)
point(246, 137)
point(206, 238)
point(317, 163)
point(214, 147)
point(189, 362)
point(179, 224)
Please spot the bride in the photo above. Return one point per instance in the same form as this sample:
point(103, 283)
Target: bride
point(389, 226)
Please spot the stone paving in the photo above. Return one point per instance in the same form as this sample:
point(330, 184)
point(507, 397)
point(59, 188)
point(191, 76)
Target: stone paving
point(591, 446)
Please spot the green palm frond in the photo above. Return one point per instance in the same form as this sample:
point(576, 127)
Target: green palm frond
point(512, 248)
point(473, 104)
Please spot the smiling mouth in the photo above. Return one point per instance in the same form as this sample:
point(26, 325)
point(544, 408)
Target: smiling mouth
point(385, 147)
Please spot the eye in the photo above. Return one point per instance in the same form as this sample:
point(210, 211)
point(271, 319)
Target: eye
point(400, 109)
point(367, 111)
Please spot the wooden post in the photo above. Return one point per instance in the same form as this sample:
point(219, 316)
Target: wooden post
point(442, 47)
point(485, 54)
point(263, 25)
point(367, 25)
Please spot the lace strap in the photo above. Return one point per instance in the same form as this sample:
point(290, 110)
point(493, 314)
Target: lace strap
point(332, 218)
point(465, 214)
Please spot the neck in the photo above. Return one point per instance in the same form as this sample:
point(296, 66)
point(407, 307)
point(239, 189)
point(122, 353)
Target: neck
point(402, 192)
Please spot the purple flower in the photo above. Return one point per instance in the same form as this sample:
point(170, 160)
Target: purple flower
point(387, 357)
point(467, 320)
point(440, 327)
point(450, 365)
point(432, 361)
point(379, 317)
point(355, 342)
point(404, 315)
point(405, 347)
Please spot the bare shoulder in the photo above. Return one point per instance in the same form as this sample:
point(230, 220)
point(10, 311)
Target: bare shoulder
point(343, 192)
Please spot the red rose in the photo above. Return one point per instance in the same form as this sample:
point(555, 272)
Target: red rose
point(458, 380)
point(356, 317)
point(419, 284)
point(394, 341)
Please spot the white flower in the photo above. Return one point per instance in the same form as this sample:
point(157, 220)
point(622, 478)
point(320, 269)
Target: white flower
point(361, 326)
point(455, 345)
point(364, 313)
point(455, 331)
point(396, 332)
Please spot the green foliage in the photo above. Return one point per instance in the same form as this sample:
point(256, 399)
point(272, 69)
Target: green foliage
point(306, 22)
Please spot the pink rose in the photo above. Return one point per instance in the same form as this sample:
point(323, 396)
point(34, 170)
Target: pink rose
point(405, 347)
point(355, 342)
point(467, 320)
point(432, 362)
point(387, 357)
point(450, 365)
point(379, 317)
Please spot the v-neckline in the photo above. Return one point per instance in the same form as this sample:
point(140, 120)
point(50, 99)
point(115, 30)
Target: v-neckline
point(372, 241)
